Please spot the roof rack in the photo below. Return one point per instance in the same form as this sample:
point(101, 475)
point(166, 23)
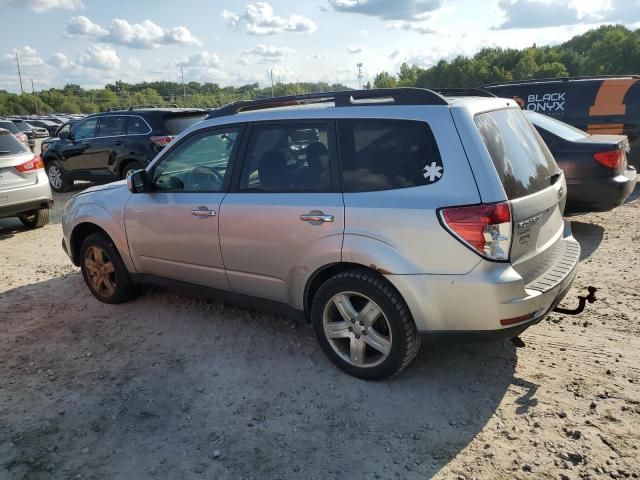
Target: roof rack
point(376, 96)
point(557, 79)
point(463, 92)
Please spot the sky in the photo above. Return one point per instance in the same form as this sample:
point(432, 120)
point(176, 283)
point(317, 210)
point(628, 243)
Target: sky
point(94, 42)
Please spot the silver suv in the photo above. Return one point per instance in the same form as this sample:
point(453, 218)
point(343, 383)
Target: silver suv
point(379, 215)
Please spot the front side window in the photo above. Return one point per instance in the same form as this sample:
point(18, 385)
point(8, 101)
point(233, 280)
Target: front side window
point(387, 154)
point(287, 158)
point(86, 129)
point(112, 126)
point(199, 164)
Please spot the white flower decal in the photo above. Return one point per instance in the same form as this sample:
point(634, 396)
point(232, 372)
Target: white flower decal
point(432, 172)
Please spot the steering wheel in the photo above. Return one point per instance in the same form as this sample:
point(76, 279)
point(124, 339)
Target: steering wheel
point(205, 178)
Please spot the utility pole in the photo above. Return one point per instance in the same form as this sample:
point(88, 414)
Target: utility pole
point(184, 88)
point(35, 97)
point(19, 74)
point(272, 83)
point(359, 76)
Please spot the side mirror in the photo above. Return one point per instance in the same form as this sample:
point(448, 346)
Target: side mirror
point(138, 181)
point(63, 135)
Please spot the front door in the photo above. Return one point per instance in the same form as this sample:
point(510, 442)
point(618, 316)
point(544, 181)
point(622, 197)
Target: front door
point(77, 152)
point(173, 229)
point(286, 217)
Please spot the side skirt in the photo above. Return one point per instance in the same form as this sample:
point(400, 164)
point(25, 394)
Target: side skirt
point(222, 296)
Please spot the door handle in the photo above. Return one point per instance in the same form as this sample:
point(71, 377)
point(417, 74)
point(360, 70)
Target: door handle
point(203, 212)
point(316, 217)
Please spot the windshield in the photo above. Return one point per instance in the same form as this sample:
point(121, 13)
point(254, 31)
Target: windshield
point(9, 145)
point(556, 127)
point(520, 156)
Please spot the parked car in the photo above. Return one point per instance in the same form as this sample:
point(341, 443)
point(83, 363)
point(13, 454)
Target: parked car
point(39, 132)
point(27, 130)
point(108, 146)
point(442, 217)
point(11, 127)
point(598, 105)
point(24, 188)
point(49, 126)
point(595, 166)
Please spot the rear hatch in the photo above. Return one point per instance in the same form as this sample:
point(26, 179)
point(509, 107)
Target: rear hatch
point(13, 154)
point(536, 190)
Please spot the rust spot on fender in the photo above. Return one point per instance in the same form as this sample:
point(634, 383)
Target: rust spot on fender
point(382, 271)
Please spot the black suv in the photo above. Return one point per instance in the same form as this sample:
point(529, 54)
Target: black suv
point(108, 146)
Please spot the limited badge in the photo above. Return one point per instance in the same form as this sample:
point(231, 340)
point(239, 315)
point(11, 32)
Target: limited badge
point(432, 172)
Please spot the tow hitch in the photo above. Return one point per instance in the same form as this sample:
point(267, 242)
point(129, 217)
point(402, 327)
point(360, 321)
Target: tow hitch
point(582, 301)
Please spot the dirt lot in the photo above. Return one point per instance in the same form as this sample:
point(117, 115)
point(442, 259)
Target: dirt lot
point(168, 386)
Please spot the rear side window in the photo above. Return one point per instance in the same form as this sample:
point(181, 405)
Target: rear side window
point(286, 158)
point(176, 124)
point(137, 126)
point(387, 154)
point(522, 160)
point(112, 126)
point(9, 126)
point(9, 145)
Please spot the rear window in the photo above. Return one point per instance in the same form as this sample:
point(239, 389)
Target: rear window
point(9, 126)
point(387, 154)
point(556, 127)
point(520, 156)
point(176, 124)
point(9, 145)
point(22, 126)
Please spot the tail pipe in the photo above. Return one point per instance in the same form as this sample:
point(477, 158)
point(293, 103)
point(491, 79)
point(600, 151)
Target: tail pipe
point(582, 302)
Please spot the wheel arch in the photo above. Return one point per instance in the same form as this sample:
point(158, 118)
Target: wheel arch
point(123, 162)
point(78, 234)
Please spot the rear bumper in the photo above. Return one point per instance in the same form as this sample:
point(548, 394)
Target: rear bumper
point(599, 194)
point(19, 200)
point(474, 304)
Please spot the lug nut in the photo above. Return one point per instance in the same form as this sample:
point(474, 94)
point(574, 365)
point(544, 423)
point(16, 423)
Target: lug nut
point(353, 321)
point(364, 332)
point(357, 336)
point(362, 323)
point(350, 329)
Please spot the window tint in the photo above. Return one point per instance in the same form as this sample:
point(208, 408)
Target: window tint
point(176, 124)
point(86, 129)
point(137, 126)
point(112, 125)
point(22, 126)
point(521, 158)
point(287, 158)
point(199, 164)
point(9, 145)
point(556, 127)
point(387, 154)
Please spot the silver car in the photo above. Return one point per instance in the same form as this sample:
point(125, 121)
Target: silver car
point(378, 215)
point(24, 187)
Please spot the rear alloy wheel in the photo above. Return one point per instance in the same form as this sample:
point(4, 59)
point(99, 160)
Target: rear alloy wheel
point(104, 272)
point(129, 168)
point(57, 178)
point(364, 325)
point(36, 219)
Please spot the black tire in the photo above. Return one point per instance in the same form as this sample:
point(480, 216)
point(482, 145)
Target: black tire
point(129, 167)
point(36, 219)
point(402, 332)
point(123, 287)
point(58, 179)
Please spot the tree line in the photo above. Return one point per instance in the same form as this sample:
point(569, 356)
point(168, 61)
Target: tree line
point(608, 50)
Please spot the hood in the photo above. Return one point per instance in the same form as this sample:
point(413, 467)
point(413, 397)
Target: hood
point(106, 186)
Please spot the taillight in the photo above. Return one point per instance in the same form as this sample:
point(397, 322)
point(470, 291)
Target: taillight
point(34, 164)
point(612, 159)
point(162, 141)
point(485, 228)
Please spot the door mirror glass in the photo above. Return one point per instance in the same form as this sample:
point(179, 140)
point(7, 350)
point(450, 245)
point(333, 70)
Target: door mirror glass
point(63, 134)
point(138, 182)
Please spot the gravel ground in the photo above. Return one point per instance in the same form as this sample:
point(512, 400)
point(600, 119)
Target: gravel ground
point(169, 386)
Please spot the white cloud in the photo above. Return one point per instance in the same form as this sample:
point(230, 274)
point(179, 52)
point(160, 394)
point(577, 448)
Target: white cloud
point(28, 57)
point(44, 5)
point(145, 34)
point(419, 27)
point(101, 57)
point(259, 19)
point(81, 25)
point(387, 10)
point(243, 61)
point(353, 49)
point(320, 56)
point(202, 59)
point(60, 60)
point(537, 14)
point(269, 53)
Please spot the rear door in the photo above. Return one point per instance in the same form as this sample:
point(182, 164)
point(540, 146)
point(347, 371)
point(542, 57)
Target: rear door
point(286, 218)
point(533, 184)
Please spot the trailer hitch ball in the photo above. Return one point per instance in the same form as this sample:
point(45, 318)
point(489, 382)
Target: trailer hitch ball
point(582, 301)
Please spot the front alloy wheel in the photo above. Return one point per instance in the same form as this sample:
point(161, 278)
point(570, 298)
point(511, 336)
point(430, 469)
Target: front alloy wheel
point(100, 271)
